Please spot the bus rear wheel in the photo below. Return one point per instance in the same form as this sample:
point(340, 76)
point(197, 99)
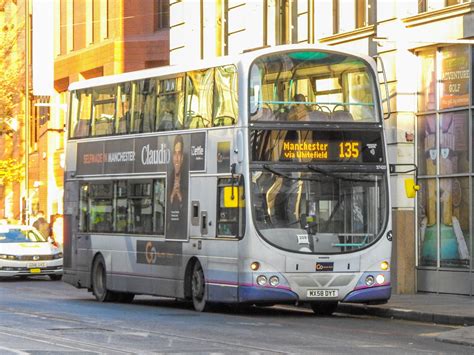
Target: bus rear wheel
point(99, 284)
point(324, 308)
point(198, 288)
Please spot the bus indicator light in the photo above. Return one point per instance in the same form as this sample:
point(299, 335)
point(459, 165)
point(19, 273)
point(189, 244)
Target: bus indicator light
point(384, 265)
point(255, 266)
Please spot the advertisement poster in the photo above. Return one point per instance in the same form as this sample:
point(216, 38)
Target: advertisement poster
point(177, 188)
point(454, 77)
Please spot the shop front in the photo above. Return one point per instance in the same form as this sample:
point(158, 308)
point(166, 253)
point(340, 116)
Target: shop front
point(444, 155)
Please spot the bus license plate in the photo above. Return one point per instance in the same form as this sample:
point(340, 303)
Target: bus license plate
point(322, 293)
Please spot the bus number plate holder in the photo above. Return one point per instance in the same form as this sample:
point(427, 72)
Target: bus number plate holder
point(322, 293)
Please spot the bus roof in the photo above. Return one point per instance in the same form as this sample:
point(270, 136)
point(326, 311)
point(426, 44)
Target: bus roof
point(246, 58)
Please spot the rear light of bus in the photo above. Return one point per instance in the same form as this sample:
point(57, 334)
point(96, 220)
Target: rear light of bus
point(261, 280)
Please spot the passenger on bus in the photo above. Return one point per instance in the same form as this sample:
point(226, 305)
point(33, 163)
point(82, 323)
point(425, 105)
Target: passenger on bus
point(298, 112)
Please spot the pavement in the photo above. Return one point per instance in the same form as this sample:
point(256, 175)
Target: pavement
point(426, 307)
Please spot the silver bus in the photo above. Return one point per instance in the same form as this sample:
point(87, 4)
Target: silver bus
point(256, 179)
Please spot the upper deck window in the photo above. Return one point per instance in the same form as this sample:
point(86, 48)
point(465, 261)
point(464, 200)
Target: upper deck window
point(311, 86)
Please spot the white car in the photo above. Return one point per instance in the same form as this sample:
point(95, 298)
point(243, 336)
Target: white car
point(25, 252)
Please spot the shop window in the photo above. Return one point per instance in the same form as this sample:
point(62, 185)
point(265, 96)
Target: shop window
point(454, 77)
point(454, 237)
point(427, 154)
point(427, 84)
point(453, 143)
point(427, 223)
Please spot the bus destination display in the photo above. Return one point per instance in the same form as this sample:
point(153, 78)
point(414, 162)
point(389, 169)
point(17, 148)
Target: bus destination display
point(307, 146)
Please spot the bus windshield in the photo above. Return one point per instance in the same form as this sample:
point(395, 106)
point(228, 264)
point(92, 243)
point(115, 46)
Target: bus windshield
point(318, 211)
point(311, 86)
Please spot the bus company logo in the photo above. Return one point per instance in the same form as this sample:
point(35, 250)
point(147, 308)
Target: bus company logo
point(156, 156)
point(322, 267)
point(150, 253)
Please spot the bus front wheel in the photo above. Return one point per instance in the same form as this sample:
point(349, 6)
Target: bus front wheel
point(99, 284)
point(323, 308)
point(198, 288)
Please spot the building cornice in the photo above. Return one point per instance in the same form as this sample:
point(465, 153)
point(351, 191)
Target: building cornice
point(439, 15)
point(350, 36)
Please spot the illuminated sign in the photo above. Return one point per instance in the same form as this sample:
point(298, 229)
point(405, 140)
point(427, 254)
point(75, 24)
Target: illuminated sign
point(319, 150)
point(307, 146)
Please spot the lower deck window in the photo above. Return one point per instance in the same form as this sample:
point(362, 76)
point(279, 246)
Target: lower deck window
point(123, 207)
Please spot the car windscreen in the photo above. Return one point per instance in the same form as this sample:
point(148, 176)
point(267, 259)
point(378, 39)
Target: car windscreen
point(18, 235)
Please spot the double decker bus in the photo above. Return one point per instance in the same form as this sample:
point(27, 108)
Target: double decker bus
point(257, 179)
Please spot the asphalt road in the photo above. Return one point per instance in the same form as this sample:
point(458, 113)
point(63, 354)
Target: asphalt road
point(50, 317)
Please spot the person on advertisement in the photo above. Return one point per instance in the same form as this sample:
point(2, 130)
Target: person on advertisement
point(177, 191)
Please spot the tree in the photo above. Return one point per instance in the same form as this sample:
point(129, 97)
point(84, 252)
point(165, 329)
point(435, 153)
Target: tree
point(12, 73)
point(10, 171)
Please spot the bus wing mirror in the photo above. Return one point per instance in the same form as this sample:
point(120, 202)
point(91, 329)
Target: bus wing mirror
point(411, 188)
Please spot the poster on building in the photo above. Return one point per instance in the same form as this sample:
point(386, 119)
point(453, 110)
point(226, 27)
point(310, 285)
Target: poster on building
point(454, 77)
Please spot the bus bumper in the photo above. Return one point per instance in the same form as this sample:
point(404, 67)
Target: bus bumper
point(254, 294)
point(373, 294)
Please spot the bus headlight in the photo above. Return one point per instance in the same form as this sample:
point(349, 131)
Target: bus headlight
point(384, 265)
point(274, 281)
point(369, 280)
point(261, 280)
point(380, 279)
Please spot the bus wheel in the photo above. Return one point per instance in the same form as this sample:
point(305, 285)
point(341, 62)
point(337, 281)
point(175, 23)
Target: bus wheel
point(323, 308)
point(99, 286)
point(55, 277)
point(198, 288)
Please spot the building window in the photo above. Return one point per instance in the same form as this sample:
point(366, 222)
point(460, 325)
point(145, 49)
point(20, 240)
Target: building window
point(432, 5)
point(162, 14)
point(444, 144)
point(350, 15)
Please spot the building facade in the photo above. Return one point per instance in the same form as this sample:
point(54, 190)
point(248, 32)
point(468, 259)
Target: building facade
point(92, 38)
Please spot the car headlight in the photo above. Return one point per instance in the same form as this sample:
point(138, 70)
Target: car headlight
point(8, 257)
point(57, 256)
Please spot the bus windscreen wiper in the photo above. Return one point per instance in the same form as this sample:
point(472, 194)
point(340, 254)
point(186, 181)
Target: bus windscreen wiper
point(333, 175)
point(297, 178)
